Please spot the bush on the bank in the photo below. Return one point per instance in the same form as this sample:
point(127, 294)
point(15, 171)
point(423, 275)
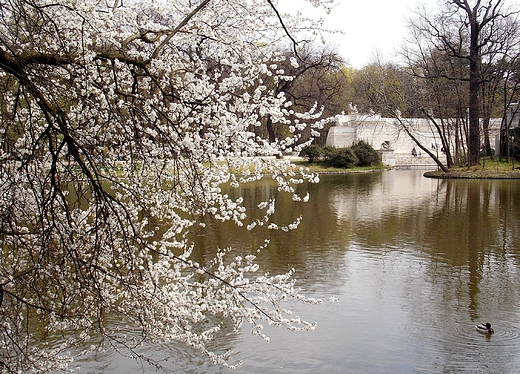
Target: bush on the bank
point(361, 154)
point(328, 152)
point(342, 158)
point(311, 152)
point(366, 155)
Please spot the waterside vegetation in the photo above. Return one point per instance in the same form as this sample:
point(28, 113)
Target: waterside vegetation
point(486, 169)
point(359, 155)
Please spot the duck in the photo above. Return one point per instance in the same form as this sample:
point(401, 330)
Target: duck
point(485, 328)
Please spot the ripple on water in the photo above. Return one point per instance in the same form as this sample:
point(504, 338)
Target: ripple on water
point(461, 348)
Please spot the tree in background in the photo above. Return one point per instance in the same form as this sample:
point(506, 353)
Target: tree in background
point(439, 81)
point(473, 32)
point(312, 79)
point(510, 87)
point(440, 94)
point(378, 87)
point(120, 123)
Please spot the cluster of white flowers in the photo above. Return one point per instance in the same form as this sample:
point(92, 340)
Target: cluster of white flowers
point(121, 121)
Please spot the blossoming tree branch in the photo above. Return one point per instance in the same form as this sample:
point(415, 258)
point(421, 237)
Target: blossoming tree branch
point(121, 121)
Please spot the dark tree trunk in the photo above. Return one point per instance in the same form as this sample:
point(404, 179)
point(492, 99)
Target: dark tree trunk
point(487, 140)
point(270, 129)
point(474, 89)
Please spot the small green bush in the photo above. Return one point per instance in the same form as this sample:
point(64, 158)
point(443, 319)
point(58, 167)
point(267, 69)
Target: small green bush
point(328, 151)
point(367, 156)
point(342, 158)
point(361, 154)
point(311, 152)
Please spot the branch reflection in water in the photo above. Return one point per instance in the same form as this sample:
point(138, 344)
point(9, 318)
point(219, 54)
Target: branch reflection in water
point(415, 262)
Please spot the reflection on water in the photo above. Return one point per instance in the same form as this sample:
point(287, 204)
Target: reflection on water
point(415, 263)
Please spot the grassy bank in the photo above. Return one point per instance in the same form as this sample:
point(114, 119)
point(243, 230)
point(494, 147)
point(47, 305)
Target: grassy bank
point(322, 169)
point(487, 169)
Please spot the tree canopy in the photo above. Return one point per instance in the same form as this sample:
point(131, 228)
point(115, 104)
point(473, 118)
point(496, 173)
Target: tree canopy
point(460, 50)
point(121, 123)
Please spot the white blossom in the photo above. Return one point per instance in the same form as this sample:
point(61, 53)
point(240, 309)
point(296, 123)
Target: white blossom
point(123, 123)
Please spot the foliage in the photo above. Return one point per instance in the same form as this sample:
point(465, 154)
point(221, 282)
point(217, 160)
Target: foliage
point(311, 152)
point(365, 154)
point(328, 152)
point(120, 123)
point(342, 158)
point(360, 154)
point(378, 87)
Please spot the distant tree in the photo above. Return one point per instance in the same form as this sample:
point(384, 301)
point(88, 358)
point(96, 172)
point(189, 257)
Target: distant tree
point(442, 99)
point(378, 87)
point(470, 31)
point(511, 96)
point(311, 77)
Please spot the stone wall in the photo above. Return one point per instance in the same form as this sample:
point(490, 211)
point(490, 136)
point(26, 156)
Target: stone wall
point(387, 135)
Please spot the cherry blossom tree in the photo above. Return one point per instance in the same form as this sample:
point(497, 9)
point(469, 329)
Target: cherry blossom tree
point(121, 121)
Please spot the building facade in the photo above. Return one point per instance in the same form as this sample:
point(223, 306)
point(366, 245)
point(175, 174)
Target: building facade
point(389, 137)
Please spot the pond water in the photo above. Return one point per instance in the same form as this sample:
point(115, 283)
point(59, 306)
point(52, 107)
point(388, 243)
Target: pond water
point(415, 262)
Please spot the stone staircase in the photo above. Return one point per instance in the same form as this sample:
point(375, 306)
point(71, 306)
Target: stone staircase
point(406, 160)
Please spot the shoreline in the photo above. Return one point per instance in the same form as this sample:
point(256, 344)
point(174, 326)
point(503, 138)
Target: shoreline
point(474, 174)
point(492, 171)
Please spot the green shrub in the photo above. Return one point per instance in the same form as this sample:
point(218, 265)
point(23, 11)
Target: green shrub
point(366, 155)
point(341, 158)
point(328, 151)
point(311, 152)
point(361, 154)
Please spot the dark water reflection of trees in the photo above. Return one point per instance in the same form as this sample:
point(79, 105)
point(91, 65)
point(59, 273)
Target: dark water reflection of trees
point(396, 248)
point(458, 222)
point(465, 224)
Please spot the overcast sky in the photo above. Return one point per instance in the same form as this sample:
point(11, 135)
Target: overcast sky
point(371, 27)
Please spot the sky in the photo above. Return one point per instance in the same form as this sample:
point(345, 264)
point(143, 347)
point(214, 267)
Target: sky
point(371, 28)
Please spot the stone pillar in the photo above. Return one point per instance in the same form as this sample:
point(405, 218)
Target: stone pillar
point(341, 136)
point(387, 156)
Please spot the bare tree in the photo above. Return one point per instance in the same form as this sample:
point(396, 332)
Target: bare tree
point(471, 32)
point(511, 96)
point(310, 77)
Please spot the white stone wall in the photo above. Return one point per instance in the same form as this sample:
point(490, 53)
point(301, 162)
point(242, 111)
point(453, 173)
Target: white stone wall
point(388, 134)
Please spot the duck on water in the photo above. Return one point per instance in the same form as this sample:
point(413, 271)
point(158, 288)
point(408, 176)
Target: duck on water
point(485, 328)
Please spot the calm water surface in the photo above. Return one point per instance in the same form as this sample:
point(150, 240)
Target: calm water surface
point(414, 262)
